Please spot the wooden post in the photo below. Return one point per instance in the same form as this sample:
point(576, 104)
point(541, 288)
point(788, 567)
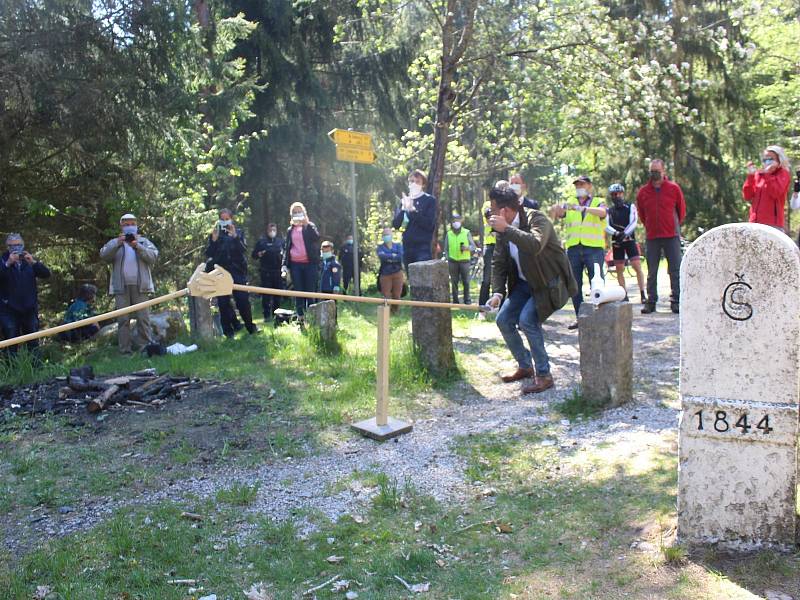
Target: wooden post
point(382, 426)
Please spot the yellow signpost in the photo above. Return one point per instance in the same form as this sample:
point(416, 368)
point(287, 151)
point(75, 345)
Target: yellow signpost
point(353, 147)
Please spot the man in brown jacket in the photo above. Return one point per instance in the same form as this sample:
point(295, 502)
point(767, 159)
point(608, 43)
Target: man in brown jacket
point(531, 271)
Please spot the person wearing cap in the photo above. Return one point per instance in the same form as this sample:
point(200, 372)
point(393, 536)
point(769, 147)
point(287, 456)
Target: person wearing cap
point(517, 183)
point(458, 248)
point(661, 208)
point(585, 234)
point(621, 225)
point(131, 256)
point(417, 216)
point(227, 247)
point(330, 280)
point(19, 294)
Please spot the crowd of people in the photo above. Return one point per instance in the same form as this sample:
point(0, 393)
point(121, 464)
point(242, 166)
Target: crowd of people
point(528, 271)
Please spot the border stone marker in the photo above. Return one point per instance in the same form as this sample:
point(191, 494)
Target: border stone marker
point(606, 349)
point(432, 328)
point(322, 317)
point(201, 320)
point(739, 381)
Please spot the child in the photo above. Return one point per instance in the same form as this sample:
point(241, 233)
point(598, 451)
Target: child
point(81, 309)
point(331, 270)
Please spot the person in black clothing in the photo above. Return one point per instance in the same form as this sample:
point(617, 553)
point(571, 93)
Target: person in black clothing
point(346, 260)
point(19, 296)
point(269, 252)
point(417, 213)
point(621, 220)
point(227, 248)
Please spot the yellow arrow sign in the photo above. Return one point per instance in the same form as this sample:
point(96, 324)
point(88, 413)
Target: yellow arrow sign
point(355, 154)
point(351, 138)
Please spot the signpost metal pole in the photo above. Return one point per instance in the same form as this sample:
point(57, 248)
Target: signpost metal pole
point(356, 274)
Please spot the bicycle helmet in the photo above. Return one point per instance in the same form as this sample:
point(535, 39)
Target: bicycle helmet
point(616, 187)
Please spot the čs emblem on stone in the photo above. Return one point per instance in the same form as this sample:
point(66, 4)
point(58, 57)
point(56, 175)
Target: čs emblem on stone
point(734, 299)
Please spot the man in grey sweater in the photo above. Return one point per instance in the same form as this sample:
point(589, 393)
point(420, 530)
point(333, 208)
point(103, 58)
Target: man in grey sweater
point(131, 256)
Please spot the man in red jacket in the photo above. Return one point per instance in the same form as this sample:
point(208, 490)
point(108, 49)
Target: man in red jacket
point(661, 209)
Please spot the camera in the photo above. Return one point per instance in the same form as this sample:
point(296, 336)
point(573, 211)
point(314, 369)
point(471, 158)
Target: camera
point(487, 213)
point(129, 237)
point(797, 181)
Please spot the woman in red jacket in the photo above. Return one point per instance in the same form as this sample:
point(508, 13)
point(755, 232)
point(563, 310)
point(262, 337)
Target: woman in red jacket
point(766, 188)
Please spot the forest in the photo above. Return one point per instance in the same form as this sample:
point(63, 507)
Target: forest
point(171, 110)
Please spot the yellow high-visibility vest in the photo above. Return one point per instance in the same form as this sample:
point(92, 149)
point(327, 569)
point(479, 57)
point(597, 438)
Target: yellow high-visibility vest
point(454, 241)
point(584, 228)
point(489, 236)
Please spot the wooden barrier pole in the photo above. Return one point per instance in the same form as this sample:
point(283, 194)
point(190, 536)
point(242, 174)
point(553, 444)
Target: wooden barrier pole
point(91, 320)
point(382, 378)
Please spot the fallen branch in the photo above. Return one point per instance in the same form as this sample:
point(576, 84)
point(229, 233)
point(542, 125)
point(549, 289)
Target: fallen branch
point(182, 581)
point(317, 588)
point(97, 404)
point(474, 525)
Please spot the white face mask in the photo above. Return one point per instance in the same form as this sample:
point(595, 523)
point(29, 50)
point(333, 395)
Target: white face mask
point(516, 188)
point(272, 234)
point(414, 189)
point(456, 224)
point(298, 218)
point(581, 193)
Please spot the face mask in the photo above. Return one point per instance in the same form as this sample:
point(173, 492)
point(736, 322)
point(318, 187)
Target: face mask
point(271, 234)
point(298, 218)
point(655, 175)
point(516, 188)
point(581, 193)
point(349, 242)
point(133, 229)
point(457, 225)
point(16, 248)
point(768, 162)
point(617, 199)
point(327, 255)
point(225, 222)
point(387, 239)
point(414, 189)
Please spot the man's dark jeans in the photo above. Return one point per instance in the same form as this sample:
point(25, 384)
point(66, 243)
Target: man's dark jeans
point(14, 323)
point(671, 248)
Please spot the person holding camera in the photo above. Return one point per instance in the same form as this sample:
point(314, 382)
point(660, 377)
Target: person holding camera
point(19, 295)
point(302, 255)
point(227, 248)
point(269, 252)
point(458, 248)
point(531, 271)
point(765, 189)
point(131, 256)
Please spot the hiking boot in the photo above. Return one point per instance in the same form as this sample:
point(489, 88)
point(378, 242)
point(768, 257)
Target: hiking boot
point(540, 384)
point(675, 307)
point(648, 308)
point(517, 375)
point(251, 328)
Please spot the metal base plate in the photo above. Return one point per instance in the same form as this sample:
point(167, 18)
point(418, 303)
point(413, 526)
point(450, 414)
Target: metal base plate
point(371, 429)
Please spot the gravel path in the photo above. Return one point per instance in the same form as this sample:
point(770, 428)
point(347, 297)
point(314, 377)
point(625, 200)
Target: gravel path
point(425, 456)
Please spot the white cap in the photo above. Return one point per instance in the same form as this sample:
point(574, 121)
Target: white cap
point(126, 216)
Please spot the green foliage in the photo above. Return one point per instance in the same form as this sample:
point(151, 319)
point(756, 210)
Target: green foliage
point(576, 405)
point(238, 495)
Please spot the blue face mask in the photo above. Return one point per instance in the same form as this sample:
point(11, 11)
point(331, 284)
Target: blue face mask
point(126, 229)
point(327, 255)
point(387, 239)
point(16, 248)
point(768, 162)
point(349, 242)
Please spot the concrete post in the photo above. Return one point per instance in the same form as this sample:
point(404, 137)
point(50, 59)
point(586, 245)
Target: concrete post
point(740, 382)
point(201, 321)
point(432, 328)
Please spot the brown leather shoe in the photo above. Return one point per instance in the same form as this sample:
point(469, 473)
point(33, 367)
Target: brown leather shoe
point(540, 384)
point(517, 375)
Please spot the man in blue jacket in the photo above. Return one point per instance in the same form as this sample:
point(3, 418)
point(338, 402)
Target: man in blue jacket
point(417, 214)
point(19, 296)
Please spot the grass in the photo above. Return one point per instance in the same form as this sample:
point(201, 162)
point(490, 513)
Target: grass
point(238, 495)
point(575, 406)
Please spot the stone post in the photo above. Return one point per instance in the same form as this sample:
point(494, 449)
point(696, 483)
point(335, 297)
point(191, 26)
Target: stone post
point(739, 381)
point(432, 328)
point(606, 348)
point(201, 321)
point(322, 317)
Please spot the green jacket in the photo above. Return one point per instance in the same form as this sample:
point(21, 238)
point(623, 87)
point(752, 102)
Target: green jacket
point(542, 259)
